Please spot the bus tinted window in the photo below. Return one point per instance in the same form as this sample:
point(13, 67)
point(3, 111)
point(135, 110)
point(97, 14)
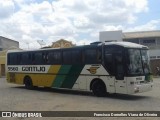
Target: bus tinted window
point(108, 63)
point(54, 57)
point(67, 57)
point(90, 56)
point(12, 59)
point(8, 60)
point(113, 59)
point(38, 58)
point(119, 66)
point(108, 60)
point(25, 58)
point(76, 57)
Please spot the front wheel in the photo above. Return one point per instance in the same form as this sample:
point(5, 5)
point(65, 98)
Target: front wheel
point(99, 88)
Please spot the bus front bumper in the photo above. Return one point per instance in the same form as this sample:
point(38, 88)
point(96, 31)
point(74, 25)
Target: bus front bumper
point(141, 88)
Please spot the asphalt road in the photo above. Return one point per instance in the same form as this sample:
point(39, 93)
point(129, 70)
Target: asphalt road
point(17, 98)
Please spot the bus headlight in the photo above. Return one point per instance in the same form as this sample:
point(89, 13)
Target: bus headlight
point(136, 89)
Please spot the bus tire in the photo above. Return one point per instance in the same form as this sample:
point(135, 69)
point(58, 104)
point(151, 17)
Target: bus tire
point(28, 83)
point(98, 88)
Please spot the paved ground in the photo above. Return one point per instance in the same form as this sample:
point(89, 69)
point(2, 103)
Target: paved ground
point(17, 98)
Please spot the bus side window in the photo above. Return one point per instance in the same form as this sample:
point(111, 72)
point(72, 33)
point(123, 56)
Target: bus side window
point(30, 58)
point(46, 58)
point(50, 57)
point(33, 58)
point(19, 58)
point(43, 58)
point(25, 59)
point(57, 57)
point(119, 66)
point(67, 57)
point(38, 58)
point(108, 59)
point(109, 63)
point(90, 56)
point(54, 57)
point(99, 55)
point(76, 57)
point(10, 59)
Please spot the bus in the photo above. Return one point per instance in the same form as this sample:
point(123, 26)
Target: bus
point(110, 67)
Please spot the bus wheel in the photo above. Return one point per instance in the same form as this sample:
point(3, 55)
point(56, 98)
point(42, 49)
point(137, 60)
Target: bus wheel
point(28, 83)
point(99, 89)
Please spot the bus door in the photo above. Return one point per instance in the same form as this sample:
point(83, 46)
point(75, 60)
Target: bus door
point(114, 64)
point(120, 81)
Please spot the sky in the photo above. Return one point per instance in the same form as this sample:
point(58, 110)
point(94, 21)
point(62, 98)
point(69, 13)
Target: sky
point(78, 21)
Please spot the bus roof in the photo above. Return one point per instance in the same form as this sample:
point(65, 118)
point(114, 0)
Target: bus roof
point(126, 44)
point(123, 44)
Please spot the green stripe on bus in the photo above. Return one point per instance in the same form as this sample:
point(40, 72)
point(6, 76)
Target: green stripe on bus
point(72, 76)
point(61, 75)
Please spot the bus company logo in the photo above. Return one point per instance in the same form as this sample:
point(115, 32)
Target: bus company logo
point(93, 70)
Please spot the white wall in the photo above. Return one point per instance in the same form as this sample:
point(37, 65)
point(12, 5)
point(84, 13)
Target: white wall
point(6, 43)
point(111, 36)
point(154, 52)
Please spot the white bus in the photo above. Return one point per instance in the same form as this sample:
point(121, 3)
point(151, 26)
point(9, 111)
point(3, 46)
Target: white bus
point(111, 67)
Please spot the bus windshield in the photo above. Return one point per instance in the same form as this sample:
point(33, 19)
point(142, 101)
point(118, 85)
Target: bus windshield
point(145, 61)
point(138, 62)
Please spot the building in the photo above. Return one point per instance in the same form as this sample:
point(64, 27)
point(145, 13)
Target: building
point(5, 45)
point(147, 38)
point(2, 62)
point(105, 36)
point(62, 44)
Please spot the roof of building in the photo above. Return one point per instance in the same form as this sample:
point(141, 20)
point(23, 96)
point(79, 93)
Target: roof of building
point(141, 34)
point(62, 40)
point(8, 39)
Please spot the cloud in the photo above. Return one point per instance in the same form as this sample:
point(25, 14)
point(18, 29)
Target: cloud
point(151, 25)
point(102, 11)
point(76, 20)
point(6, 8)
point(140, 5)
